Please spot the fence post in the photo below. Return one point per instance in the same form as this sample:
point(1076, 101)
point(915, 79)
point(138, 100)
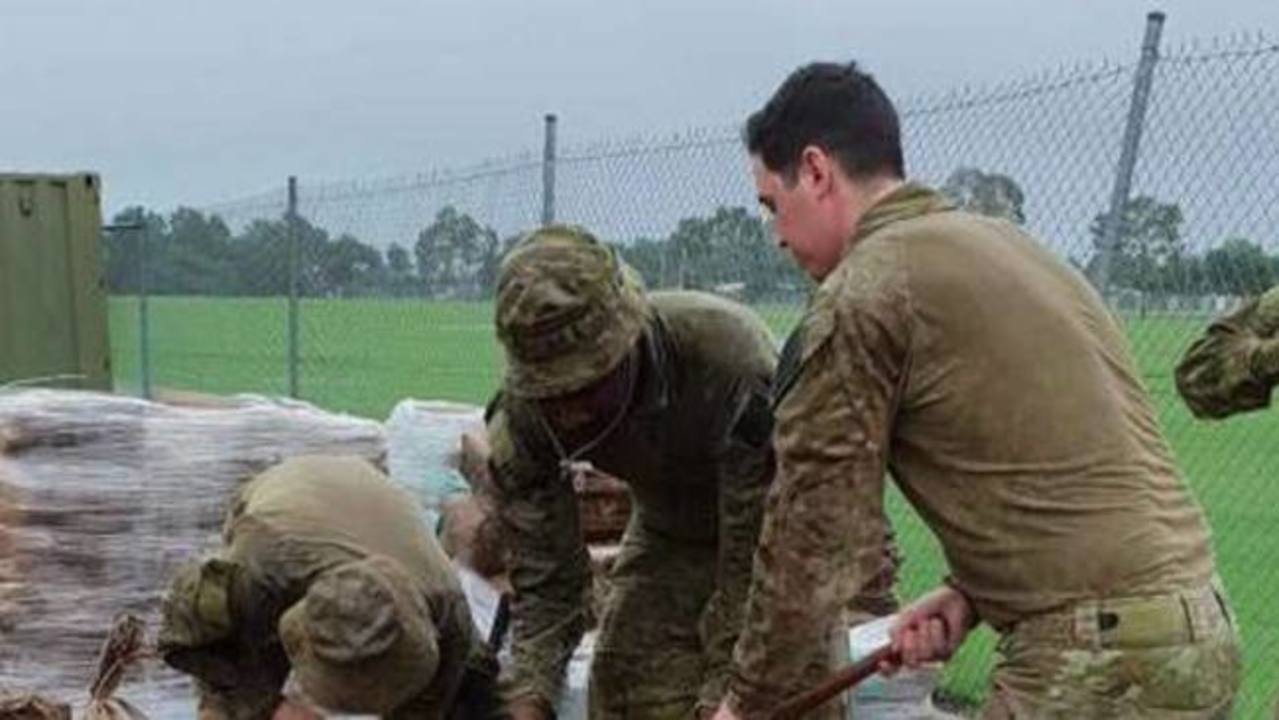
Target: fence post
point(548, 171)
point(144, 318)
point(291, 225)
point(1142, 81)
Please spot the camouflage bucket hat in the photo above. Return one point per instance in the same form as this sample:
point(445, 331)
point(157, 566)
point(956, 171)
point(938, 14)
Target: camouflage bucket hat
point(196, 609)
point(361, 640)
point(568, 311)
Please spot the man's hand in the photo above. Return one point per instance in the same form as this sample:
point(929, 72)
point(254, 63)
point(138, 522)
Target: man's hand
point(930, 629)
point(529, 707)
point(724, 713)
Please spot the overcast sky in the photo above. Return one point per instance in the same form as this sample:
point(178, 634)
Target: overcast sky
point(174, 101)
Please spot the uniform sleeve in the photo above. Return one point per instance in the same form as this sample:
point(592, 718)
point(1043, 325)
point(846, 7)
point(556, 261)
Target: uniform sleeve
point(548, 564)
point(745, 470)
point(1230, 369)
point(834, 422)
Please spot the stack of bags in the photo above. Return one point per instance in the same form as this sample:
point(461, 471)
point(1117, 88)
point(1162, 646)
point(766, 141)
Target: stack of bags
point(102, 496)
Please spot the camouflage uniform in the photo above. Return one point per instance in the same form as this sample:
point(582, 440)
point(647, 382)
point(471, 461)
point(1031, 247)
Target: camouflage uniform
point(1235, 365)
point(327, 572)
point(692, 444)
point(991, 380)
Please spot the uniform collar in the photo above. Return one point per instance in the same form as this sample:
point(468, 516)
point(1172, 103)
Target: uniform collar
point(909, 200)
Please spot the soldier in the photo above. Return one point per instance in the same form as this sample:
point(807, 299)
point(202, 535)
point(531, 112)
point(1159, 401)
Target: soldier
point(991, 378)
point(669, 393)
point(327, 579)
point(1235, 365)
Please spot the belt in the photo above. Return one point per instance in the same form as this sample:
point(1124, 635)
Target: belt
point(1133, 621)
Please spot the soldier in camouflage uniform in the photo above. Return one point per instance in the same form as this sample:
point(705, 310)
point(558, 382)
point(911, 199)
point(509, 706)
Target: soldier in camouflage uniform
point(669, 392)
point(329, 580)
point(1234, 367)
point(989, 376)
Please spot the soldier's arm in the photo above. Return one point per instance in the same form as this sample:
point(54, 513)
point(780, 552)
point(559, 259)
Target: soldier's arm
point(745, 470)
point(833, 428)
point(1230, 369)
point(548, 565)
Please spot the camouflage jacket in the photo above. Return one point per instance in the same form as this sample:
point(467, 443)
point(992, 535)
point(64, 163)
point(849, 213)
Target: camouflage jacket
point(693, 448)
point(986, 375)
point(299, 519)
point(1235, 365)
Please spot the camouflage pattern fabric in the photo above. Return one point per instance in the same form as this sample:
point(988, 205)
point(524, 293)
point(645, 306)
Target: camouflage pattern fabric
point(693, 448)
point(568, 310)
point(648, 657)
point(1234, 367)
point(956, 352)
point(313, 522)
point(1169, 656)
point(361, 640)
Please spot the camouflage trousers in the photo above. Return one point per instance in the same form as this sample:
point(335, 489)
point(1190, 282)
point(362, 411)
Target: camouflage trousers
point(648, 660)
point(1165, 656)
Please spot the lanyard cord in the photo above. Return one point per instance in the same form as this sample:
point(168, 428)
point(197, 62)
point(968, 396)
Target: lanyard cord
point(569, 460)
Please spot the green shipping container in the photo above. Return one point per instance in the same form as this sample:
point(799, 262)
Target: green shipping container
point(53, 304)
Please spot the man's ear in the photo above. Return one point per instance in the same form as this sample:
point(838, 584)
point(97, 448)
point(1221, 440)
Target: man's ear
point(816, 170)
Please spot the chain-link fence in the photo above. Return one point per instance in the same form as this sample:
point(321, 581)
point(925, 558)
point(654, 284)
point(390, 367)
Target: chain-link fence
point(359, 295)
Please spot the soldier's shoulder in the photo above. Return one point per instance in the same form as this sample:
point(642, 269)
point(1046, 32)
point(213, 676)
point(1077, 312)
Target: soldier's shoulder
point(874, 264)
point(871, 280)
point(719, 331)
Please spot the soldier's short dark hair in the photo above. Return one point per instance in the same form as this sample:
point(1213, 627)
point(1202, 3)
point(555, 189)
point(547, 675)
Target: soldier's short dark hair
point(836, 107)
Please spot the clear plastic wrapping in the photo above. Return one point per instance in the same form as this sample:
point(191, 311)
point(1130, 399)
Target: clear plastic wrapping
point(101, 497)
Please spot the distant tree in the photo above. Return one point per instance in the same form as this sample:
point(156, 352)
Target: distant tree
point(648, 257)
point(196, 258)
point(262, 258)
point(1240, 267)
point(1147, 244)
point(122, 248)
point(991, 194)
point(729, 250)
point(348, 267)
point(731, 247)
point(452, 253)
point(492, 263)
point(401, 280)
point(398, 260)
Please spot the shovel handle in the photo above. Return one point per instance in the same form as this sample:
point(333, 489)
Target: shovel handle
point(836, 683)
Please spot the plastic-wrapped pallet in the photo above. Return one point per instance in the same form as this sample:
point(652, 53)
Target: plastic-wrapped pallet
point(102, 496)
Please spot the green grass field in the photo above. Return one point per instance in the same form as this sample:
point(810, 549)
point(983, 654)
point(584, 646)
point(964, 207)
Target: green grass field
point(362, 356)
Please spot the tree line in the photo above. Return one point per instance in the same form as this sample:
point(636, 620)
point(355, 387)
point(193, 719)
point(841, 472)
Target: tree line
point(731, 250)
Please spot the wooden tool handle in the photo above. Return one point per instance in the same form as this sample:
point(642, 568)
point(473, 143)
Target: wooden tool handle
point(837, 683)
